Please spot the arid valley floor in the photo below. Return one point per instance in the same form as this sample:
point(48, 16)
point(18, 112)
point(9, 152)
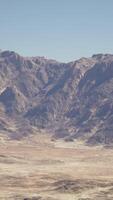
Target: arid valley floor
point(48, 170)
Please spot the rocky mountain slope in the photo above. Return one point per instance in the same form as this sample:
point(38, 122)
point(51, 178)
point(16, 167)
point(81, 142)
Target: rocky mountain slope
point(69, 100)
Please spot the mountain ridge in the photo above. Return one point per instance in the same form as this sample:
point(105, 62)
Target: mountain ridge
point(71, 100)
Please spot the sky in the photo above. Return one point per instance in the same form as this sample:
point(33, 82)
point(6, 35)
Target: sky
point(64, 30)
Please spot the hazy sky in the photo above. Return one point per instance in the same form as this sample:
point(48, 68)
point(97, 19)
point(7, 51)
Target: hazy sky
point(61, 29)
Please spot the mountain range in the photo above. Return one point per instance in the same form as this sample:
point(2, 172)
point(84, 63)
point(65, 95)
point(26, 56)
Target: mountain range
point(70, 101)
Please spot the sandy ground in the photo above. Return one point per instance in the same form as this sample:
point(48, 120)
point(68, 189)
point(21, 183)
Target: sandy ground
point(45, 170)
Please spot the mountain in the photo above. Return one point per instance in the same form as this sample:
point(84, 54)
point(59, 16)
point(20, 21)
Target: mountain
point(73, 101)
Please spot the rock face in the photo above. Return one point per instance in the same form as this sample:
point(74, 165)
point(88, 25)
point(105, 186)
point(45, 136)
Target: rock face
point(70, 100)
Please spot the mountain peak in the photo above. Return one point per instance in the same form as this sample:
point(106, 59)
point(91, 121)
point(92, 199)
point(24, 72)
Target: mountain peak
point(101, 56)
point(7, 53)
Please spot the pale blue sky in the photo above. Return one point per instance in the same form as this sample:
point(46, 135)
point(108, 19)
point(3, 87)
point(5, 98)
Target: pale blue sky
point(60, 29)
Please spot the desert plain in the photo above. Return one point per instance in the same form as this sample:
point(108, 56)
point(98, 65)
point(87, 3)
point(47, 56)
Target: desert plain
point(37, 168)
